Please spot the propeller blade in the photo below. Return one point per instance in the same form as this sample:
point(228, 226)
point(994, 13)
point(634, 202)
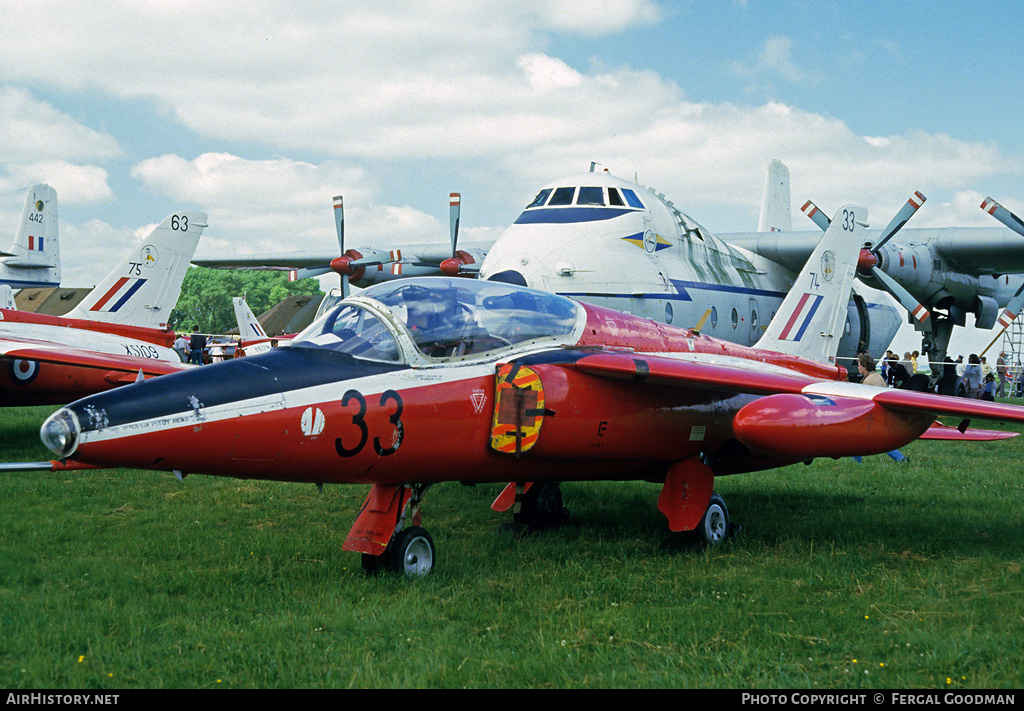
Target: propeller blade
point(1012, 309)
point(918, 312)
point(1003, 215)
point(899, 219)
point(819, 217)
point(339, 226)
point(306, 272)
point(455, 201)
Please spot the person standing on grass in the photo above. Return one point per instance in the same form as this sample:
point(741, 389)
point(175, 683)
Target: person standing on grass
point(869, 376)
point(1001, 372)
point(196, 344)
point(972, 376)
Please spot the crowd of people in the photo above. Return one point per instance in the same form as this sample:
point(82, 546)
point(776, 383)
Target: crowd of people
point(975, 378)
point(199, 350)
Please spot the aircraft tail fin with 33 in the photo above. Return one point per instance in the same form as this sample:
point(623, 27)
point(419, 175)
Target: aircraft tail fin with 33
point(810, 321)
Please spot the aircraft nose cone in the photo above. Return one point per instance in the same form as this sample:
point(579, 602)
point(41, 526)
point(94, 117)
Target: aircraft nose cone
point(60, 433)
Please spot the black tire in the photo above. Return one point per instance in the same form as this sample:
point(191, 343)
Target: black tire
point(372, 564)
point(714, 525)
point(411, 553)
point(542, 507)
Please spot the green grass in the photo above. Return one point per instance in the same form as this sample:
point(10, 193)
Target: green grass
point(844, 576)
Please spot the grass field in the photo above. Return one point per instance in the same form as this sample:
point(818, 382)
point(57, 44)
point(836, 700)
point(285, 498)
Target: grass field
point(845, 575)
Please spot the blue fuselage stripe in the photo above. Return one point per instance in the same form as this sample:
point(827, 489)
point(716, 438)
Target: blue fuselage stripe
point(683, 295)
point(564, 215)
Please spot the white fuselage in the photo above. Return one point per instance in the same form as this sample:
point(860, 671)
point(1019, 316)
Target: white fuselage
point(651, 260)
point(60, 336)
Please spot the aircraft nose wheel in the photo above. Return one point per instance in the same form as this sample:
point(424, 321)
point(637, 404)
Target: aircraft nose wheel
point(714, 526)
point(411, 553)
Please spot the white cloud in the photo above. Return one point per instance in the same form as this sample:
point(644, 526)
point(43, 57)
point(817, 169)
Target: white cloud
point(776, 59)
point(277, 205)
point(31, 129)
point(547, 74)
point(73, 183)
point(598, 17)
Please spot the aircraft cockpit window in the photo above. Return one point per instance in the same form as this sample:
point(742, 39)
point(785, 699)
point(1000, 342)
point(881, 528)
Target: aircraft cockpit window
point(541, 198)
point(632, 199)
point(614, 198)
point(449, 320)
point(590, 196)
point(350, 329)
point(562, 196)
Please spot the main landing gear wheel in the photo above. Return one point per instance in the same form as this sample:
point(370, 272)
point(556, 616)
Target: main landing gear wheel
point(714, 526)
point(542, 507)
point(411, 553)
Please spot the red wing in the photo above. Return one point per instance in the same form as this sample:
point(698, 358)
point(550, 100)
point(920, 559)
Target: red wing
point(911, 401)
point(800, 416)
point(757, 379)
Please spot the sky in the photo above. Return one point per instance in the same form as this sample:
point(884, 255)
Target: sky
point(259, 112)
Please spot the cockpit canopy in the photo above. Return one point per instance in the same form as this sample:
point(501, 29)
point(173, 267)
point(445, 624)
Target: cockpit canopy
point(591, 195)
point(444, 319)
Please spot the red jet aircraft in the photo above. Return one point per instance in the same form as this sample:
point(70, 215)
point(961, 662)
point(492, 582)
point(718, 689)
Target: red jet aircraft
point(437, 379)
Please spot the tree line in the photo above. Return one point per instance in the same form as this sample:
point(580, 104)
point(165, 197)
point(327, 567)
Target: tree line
point(206, 295)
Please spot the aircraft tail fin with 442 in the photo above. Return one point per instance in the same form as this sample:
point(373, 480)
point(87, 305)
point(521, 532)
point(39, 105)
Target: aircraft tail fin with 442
point(33, 259)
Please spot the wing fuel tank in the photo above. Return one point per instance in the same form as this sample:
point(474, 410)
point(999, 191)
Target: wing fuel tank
point(807, 426)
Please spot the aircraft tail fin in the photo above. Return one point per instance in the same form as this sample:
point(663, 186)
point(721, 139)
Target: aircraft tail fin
point(144, 288)
point(34, 257)
point(776, 213)
point(810, 321)
point(249, 327)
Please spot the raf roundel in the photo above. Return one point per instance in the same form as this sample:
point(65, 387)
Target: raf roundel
point(24, 372)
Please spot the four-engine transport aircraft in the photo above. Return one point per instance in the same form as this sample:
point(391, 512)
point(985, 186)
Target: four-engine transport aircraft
point(34, 258)
point(116, 335)
point(939, 275)
point(608, 241)
point(428, 380)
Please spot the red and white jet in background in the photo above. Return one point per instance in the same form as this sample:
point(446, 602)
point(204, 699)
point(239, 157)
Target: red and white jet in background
point(116, 335)
point(420, 381)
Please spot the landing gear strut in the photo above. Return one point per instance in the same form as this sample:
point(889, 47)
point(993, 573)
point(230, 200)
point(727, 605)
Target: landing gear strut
point(541, 507)
point(410, 551)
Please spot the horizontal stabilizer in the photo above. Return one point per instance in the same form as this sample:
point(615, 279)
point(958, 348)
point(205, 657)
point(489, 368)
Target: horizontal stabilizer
point(948, 432)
